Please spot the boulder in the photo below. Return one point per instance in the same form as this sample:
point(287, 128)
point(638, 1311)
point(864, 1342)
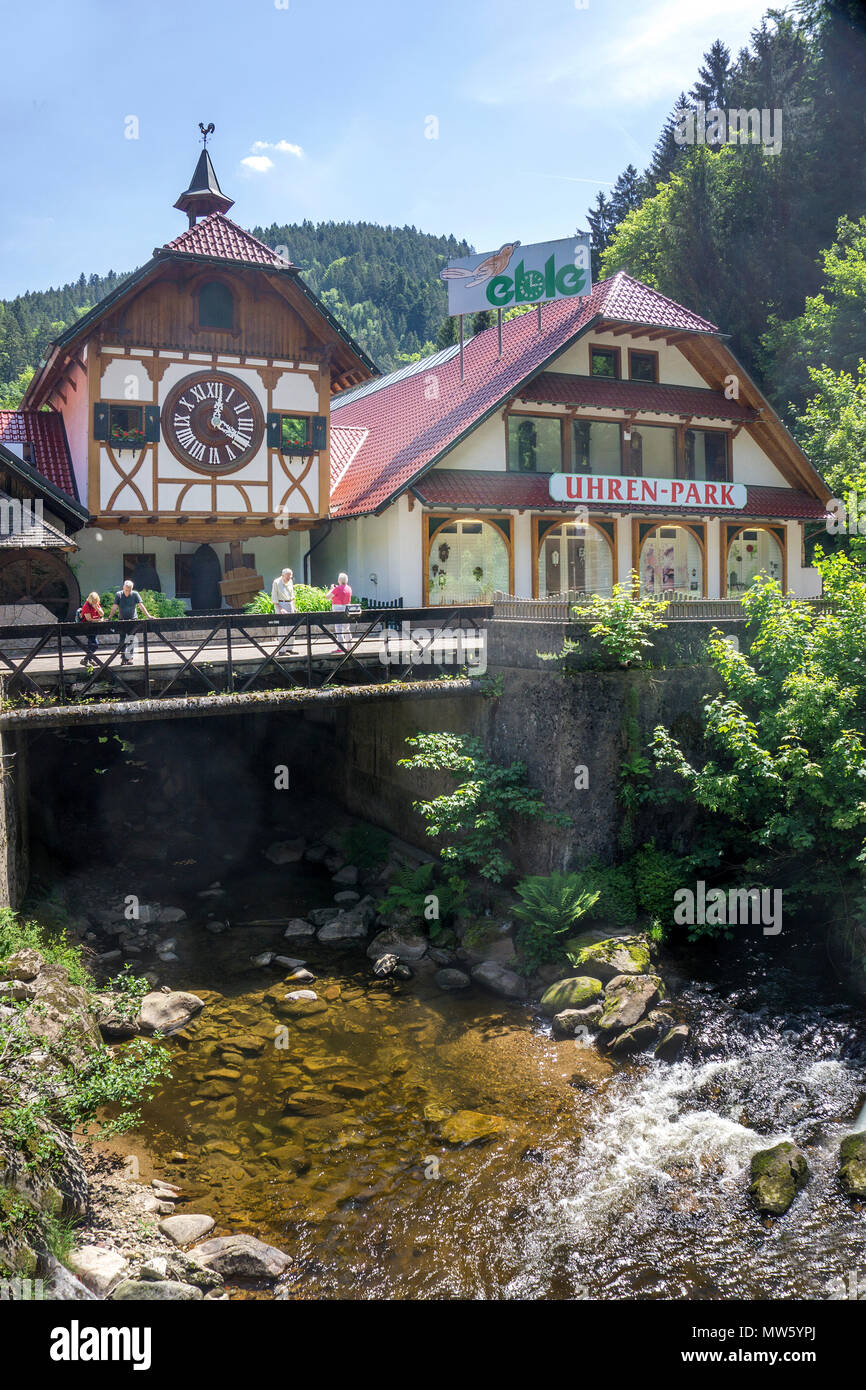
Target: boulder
point(62, 1286)
point(321, 916)
point(114, 1025)
point(184, 1229)
point(297, 995)
point(573, 993)
point(566, 1023)
point(300, 977)
point(349, 925)
point(451, 980)
point(852, 1172)
point(347, 897)
point(297, 926)
point(471, 1127)
point(385, 965)
point(23, 965)
point(98, 1267)
point(402, 942)
point(165, 1013)
point(634, 1039)
point(493, 975)
point(155, 1291)
point(286, 851)
point(486, 938)
point(618, 955)
point(627, 999)
point(264, 958)
point(347, 876)
point(673, 1044)
point(778, 1174)
point(242, 1257)
point(150, 913)
point(316, 853)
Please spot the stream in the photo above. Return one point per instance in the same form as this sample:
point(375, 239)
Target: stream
point(599, 1181)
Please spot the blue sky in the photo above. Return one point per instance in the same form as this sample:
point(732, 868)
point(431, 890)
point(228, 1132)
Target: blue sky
point(322, 111)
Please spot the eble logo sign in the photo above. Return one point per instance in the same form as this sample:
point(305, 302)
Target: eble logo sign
point(534, 274)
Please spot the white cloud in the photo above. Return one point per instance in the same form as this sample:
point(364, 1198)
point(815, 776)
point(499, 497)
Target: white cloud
point(649, 57)
point(259, 163)
point(281, 147)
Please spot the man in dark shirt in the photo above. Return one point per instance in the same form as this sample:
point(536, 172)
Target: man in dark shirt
point(127, 602)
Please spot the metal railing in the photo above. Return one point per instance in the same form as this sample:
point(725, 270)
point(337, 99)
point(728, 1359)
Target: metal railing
point(228, 652)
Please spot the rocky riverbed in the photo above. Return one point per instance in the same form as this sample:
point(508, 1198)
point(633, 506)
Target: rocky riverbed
point(356, 1111)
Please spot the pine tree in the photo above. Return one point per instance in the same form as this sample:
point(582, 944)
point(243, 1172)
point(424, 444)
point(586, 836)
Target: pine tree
point(714, 78)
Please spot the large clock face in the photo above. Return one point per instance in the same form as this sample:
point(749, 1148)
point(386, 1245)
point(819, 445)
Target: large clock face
point(212, 422)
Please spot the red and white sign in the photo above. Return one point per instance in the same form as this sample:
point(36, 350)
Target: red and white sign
point(655, 492)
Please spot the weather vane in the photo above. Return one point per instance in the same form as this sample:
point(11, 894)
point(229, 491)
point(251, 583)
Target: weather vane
point(206, 130)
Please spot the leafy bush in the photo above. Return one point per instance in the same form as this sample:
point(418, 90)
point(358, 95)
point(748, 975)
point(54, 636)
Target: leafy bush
point(409, 892)
point(657, 876)
point(53, 946)
point(158, 605)
point(476, 820)
point(308, 599)
point(550, 905)
point(623, 621)
point(613, 885)
point(366, 846)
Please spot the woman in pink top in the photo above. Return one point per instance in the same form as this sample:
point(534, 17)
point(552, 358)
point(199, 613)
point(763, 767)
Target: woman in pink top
point(340, 595)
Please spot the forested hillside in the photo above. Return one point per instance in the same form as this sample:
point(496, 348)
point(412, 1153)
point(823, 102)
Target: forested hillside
point(382, 283)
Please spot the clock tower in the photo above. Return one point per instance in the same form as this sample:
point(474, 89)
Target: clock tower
point(196, 400)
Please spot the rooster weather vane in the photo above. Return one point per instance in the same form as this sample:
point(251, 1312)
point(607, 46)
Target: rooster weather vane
point(206, 130)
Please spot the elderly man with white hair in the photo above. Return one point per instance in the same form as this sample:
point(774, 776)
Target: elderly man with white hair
point(283, 597)
point(127, 602)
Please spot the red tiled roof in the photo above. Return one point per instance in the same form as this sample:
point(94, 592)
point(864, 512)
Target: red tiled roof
point(475, 489)
point(558, 388)
point(410, 423)
point(49, 452)
point(345, 443)
point(218, 238)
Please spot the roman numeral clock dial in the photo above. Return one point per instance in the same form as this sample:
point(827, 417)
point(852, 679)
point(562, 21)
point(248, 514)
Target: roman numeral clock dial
point(212, 422)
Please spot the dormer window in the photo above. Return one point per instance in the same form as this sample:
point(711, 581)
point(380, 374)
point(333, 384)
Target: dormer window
point(216, 308)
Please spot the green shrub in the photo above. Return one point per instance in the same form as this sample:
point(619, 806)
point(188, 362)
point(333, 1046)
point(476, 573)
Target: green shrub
point(657, 876)
point(410, 890)
point(53, 946)
point(366, 846)
point(308, 599)
point(614, 886)
point(158, 605)
point(550, 906)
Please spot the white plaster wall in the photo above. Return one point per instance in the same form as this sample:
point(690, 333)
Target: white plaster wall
point(752, 465)
point(75, 418)
point(125, 379)
point(99, 564)
point(673, 367)
point(484, 449)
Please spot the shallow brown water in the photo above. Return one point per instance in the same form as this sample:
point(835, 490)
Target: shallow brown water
point(598, 1182)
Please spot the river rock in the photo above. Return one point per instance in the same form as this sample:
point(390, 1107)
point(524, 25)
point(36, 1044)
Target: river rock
point(471, 1127)
point(348, 875)
point(402, 942)
point(347, 897)
point(451, 980)
point(634, 1039)
point(566, 1023)
point(265, 958)
point(673, 1044)
point(155, 1291)
point(493, 975)
point(309, 1103)
point(627, 999)
point(17, 991)
point(316, 853)
point(290, 962)
point(298, 926)
point(98, 1267)
point(150, 913)
point(297, 995)
point(286, 851)
point(321, 916)
point(62, 1286)
point(242, 1257)
point(349, 925)
point(300, 977)
point(114, 1025)
point(186, 1228)
point(573, 993)
point(23, 965)
point(385, 965)
point(618, 955)
point(486, 938)
point(852, 1156)
point(777, 1176)
point(165, 1013)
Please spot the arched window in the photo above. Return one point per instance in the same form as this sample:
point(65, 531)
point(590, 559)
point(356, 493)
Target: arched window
point(671, 563)
point(751, 553)
point(574, 559)
point(468, 562)
point(216, 307)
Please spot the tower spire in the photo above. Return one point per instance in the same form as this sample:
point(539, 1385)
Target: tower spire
point(204, 194)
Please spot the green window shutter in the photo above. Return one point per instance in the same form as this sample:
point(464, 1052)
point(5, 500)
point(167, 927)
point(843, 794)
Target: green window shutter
point(320, 432)
point(100, 421)
point(151, 424)
point(274, 430)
